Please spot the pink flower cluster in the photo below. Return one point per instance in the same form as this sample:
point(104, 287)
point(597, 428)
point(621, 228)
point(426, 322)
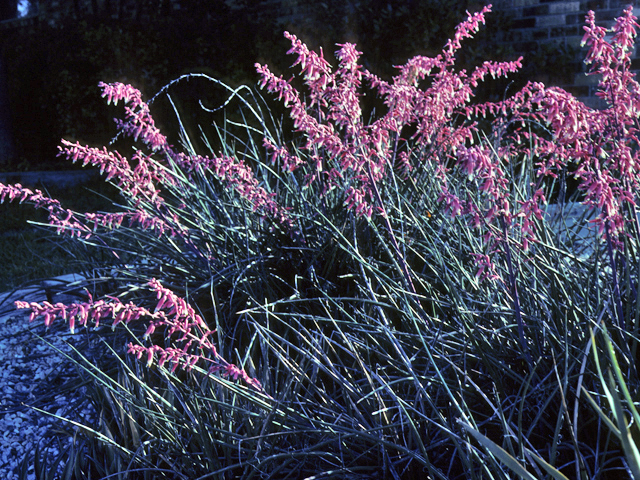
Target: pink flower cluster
point(71, 223)
point(171, 313)
point(139, 122)
point(62, 218)
point(236, 174)
point(343, 152)
point(137, 183)
point(145, 181)
point(342, 149)
point(602, 143)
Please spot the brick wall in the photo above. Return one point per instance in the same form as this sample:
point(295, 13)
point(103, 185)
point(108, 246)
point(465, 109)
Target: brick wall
point(557, 26)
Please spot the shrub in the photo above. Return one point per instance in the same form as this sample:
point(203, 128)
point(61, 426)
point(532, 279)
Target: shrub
point(358, 300)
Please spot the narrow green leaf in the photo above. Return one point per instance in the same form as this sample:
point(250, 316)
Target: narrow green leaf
point(603, 382)
point(36, 464)
point(628, 444)
point(620, 377)
point(548, 468)
point(24, 467)
point(498, 452)
point(601, 414)
point(72, 463)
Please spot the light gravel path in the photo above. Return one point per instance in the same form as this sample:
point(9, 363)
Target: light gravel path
point(34, 374)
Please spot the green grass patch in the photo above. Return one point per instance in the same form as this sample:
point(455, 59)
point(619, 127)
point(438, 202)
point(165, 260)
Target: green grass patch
point(27, 255)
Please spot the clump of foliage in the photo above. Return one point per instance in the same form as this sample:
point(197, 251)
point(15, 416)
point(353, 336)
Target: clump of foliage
point(367, 299)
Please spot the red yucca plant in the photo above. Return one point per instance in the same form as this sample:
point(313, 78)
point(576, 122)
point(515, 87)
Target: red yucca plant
point(381, 385)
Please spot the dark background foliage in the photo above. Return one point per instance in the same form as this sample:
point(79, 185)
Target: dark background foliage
point(53, 68)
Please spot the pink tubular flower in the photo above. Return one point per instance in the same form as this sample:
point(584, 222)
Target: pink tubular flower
point(119, 91)
point(486, 268)
point(235, 372)
point(172, 313)
point(465, 30)
point(290, 162)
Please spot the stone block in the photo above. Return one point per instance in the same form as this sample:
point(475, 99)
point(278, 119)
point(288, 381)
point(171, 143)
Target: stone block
point(574, 19)
point(584, 80)
point(620, 4)
point(524, 22)
point(535, 11)
point(571, 222)
point(564, 7)
point(525, 46)
point(551, 20)
point(563, 32)
point(541, 34)
point(608, 15)
point(593, 5)
point(525, 3)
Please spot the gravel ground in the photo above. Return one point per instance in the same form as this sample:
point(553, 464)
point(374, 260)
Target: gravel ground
point(34, 375)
